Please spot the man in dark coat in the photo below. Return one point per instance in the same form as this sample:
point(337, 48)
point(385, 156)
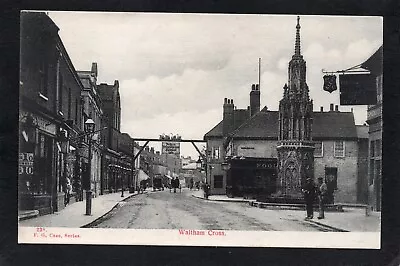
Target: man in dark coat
point(322, 195)
point(309, 197)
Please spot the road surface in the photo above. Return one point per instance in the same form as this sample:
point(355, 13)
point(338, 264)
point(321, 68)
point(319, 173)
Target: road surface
point(166, 210)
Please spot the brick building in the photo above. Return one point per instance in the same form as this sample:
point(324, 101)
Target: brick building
point(50, 112)
point(92, 108)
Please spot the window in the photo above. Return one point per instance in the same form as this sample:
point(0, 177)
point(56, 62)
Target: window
point(379, 85)
point(372, 149)
point(216, 153)
point(371, 171)
point(319, 149)
point(76, 110)
point(69, 103)
point(60, 92)
point(218, 181)
point(43, 78)
point(378, 147)
point(339, 148)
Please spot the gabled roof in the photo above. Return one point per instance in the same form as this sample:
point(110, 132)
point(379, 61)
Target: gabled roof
point(334, 125)
point(215, 131)
point(264, 125)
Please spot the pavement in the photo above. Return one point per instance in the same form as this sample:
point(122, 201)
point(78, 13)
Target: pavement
point(351, 219)
point(101, 205)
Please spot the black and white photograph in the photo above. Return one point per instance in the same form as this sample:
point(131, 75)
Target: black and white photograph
point(200, 129)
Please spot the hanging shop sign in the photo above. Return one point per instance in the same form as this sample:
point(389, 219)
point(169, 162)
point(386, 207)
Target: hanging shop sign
point(357, 89)
point(330, 83)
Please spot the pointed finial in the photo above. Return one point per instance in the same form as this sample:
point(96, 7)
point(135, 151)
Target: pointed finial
point(297, 44)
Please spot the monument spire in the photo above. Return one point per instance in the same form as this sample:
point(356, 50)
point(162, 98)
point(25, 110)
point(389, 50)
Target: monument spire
point(297, 51)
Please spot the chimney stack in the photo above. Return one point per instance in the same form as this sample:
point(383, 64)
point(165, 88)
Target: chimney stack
point(331, 107)
point(228, 116)
point(322, 109)
point(337, 108)
point(254, 99)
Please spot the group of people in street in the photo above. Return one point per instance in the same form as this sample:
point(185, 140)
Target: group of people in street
point(193, 185)
point(312, 193)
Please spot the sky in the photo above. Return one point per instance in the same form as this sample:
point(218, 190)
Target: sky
point(175, 70)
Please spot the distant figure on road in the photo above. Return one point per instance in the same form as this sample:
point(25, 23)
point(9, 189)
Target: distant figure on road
point(175, 184)
point(322, 197)
point(191, 184)
point(309, 196)
point(206, 189)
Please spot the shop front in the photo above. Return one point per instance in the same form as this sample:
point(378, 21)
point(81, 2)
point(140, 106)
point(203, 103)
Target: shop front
point(251, 177)
point(37, 156)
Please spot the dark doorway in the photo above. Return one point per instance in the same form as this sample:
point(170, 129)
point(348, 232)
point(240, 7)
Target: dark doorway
point(331, 182)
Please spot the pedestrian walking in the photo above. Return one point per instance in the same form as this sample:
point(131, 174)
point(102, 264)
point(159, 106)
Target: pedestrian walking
point(68, 190)
point(322, 197)
point(176, 184)
point(309, 197)
point(191, 184)
point(206, 189)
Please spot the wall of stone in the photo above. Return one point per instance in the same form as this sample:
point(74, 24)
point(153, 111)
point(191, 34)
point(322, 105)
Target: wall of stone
point(346, 170)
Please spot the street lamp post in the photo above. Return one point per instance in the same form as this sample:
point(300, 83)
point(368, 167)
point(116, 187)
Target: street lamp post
point(122, 177)
point(89, 129)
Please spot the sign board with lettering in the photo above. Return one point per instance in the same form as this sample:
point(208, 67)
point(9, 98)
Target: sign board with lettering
point(25, 163)
point(171, 148)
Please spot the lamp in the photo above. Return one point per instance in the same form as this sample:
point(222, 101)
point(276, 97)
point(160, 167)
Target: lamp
point(89, 129)
point(89, 126)
point(199, 164)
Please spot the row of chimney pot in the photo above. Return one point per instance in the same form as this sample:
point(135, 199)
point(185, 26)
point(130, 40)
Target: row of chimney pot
point(255, 87)
point(331, 108)
point(228, 101)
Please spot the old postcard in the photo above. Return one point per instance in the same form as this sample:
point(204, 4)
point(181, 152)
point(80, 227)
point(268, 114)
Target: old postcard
point(200, 129)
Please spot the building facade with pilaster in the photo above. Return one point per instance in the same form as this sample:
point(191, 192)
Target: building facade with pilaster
point(50, 113)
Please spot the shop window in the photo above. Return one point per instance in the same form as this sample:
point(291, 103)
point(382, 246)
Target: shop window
point(42, 180)
point(319, 149)
point(339, 148)
point(218, 181)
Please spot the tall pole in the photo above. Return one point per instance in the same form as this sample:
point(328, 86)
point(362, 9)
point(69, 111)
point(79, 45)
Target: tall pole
point(259, 74)
point(88, 188)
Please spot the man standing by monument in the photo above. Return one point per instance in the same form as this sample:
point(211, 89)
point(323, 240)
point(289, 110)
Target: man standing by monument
point(309, 196)
point(322, 193)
